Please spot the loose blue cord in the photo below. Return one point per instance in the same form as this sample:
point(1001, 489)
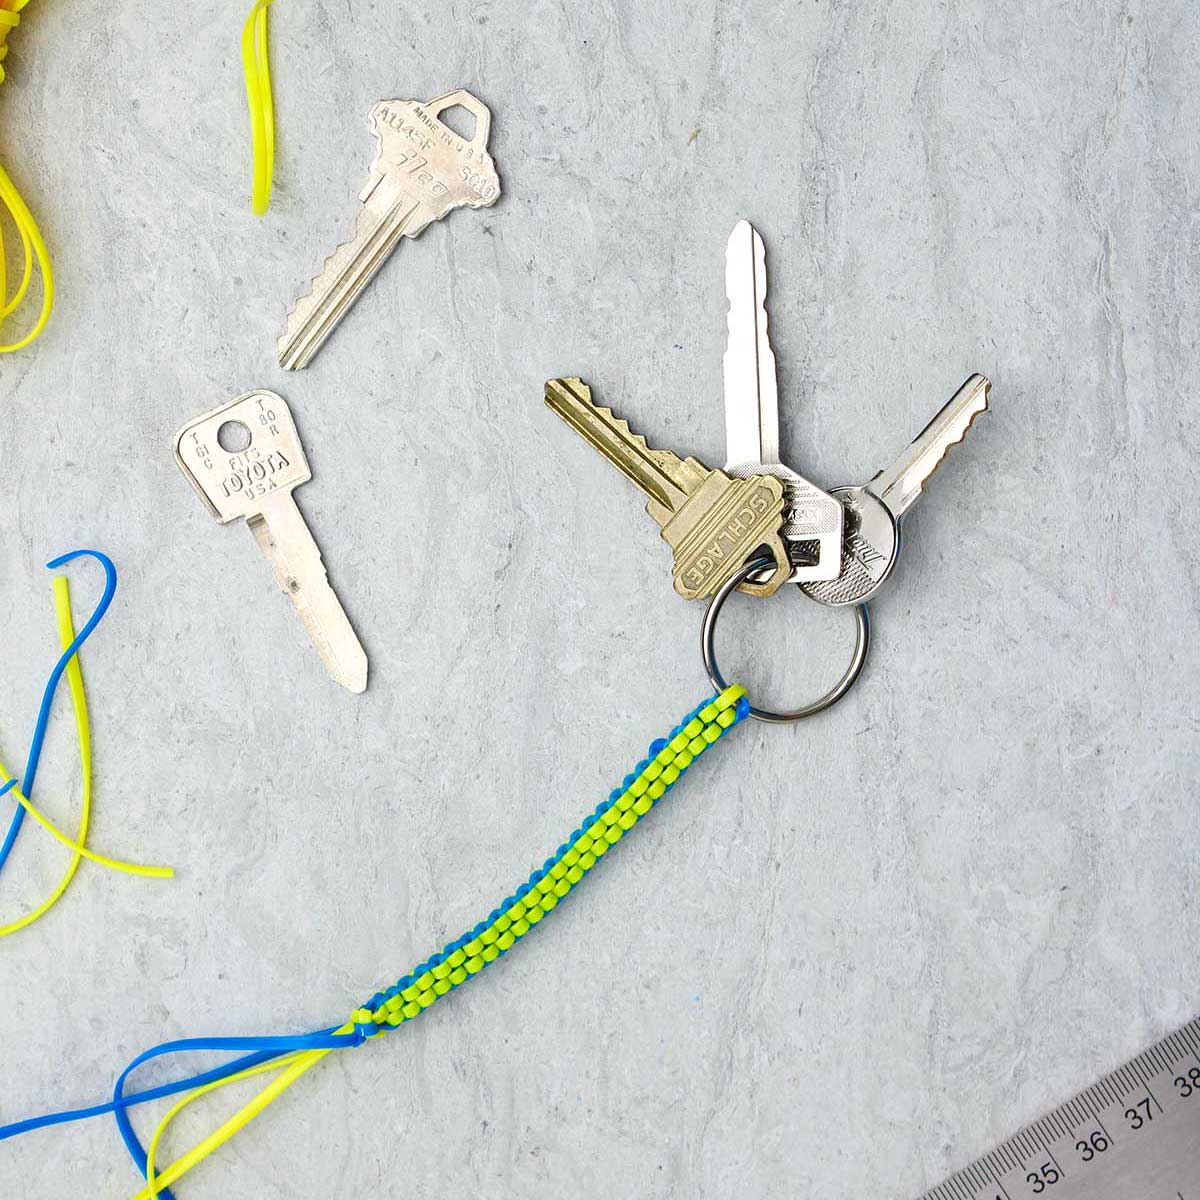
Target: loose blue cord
point(266, 1049)
point(39, 732)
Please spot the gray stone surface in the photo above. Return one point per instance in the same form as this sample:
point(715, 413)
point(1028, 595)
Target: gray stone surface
point(845, 958)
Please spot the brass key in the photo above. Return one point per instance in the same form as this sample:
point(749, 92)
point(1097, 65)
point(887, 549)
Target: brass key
point(712, 523)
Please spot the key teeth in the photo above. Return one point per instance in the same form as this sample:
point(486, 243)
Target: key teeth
point(312, 283)
point(975, 413)
point(291, 347)
point(342, 276)
point(623, 425)
point(583, 395)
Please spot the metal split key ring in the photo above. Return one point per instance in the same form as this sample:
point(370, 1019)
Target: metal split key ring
point(708, 633)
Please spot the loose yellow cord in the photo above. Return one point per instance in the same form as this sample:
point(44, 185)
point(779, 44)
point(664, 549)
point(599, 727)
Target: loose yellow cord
point(154, 1181)
point(113, 864)
point(66, 635)
point(31, 237)
point(304, 1061)
point(257, 68)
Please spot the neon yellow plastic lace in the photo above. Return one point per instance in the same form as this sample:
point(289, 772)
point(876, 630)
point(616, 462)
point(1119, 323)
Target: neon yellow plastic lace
point(152, 1178)
point(257, 68)
point(31, 238)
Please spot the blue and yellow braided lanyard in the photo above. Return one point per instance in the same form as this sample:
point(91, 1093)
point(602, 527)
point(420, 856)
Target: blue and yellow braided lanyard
point(31, 239)
point(289, 1057)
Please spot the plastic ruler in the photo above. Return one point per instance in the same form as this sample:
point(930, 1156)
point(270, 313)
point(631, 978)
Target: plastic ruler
point(1135, 1135)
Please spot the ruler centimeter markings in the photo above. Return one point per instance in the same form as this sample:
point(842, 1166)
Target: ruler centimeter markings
point(1135, 1135)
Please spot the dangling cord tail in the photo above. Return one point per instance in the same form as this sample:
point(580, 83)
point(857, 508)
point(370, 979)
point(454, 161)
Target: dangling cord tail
point(152, 1189)
point(668, 760)
point(257, 68)
point(70, 643)
point(22, 218)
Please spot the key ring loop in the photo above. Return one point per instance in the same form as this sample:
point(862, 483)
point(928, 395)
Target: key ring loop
point(708, 634)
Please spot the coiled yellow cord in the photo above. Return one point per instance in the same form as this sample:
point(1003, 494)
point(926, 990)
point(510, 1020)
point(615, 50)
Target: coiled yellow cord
point(257, 68)
point(31, 238)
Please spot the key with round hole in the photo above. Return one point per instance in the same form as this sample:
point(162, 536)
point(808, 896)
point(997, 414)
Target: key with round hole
point(422, 170)
point(245, 460)
point(711, 522)
point(874, 511)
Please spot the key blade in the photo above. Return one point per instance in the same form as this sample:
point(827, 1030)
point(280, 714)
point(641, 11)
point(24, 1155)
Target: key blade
point(904, 481)
point(662, 476)
point(286, 541)
point(751, 394)
point(388, 214)
point(814, 518)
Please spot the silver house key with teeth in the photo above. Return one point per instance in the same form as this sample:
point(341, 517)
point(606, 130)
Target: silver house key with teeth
point(422, 170)
point(813, 521)
point(245, 460)
point(874, 511)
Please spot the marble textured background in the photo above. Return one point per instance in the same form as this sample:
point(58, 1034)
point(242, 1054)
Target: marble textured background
point(847, 957)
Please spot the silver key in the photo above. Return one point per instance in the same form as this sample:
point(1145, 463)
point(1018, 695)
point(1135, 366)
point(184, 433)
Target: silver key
point(813, 521)
point(245, 460)
point(422, 170)
point(874, 511)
